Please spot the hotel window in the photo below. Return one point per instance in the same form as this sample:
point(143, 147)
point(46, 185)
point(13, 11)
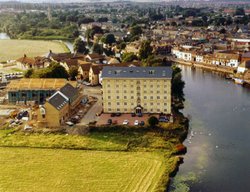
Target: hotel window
point(117, 91)
point(145, 91)
point(109, 91)
point(165, 104)
point(125, 97)
point(158, 110)
point(158, 97)
point(125, 103)
point(145, 86)
point(151, 104)
point(117, 86)
point(118, 109)
point(151, 97)
point(117, 97)
point(165, 91)
point(109, 109)
point(165, 110)
point(165, 86)
point(145, 97)
point(109, 97)
point(118, 103)
point(158, 86)
point(132, 91)
point(132, 97)
point(125, 91)
point(13, 94)
point(109, 103)
point(125, 85)
point(158, 91)
point(165, 97)
point(151, 91)
point(151, 86)
point(108, 85)
point(125, 109)
point(23, 94)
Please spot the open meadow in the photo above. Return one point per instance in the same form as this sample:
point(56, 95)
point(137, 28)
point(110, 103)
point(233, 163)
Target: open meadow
point(33, 169)
point(14, 49)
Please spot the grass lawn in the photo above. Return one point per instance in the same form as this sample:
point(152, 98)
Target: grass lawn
point(14, 49)
point(32, 169)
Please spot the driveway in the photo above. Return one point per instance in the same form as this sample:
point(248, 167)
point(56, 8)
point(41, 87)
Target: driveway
point(90, 116)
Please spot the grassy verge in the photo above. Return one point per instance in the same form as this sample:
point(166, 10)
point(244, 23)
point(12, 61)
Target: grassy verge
point(146, 153)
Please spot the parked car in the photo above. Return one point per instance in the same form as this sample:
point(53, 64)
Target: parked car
point(109, 122)
point(112, 115)
point(118, 114)
point(125, 122)
point(132, 114)
point(136, 122)
point(142, 123)
point(163, 119)
point(69, 123)
point(139, 114)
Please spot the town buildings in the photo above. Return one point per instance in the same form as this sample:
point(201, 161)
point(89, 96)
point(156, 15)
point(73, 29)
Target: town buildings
point(59, 107)
point(33, 90)
point(137, 89)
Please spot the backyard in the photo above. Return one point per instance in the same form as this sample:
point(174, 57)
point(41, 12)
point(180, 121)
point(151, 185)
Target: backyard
point(14, 49)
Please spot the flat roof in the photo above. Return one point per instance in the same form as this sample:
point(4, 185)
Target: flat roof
point(36, 84)
point(137, 72)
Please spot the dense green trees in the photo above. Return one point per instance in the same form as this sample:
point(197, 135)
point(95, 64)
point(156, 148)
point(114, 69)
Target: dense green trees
point(108, 39)
point(145, 50)
point(55, 70)
point(152, 121)
point(177, 84)
point(80, 46)
point(129, 57)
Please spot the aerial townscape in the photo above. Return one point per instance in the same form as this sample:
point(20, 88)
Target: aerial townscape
point(142, 96)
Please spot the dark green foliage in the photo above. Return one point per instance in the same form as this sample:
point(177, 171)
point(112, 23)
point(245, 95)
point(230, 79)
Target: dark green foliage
point(97, 48)
point(80, 46)
point(129, 57)
point(108, 39)
point(28, 73)
point(145, 50)
point(73, 72)
point(177, 84)
point(152, 121)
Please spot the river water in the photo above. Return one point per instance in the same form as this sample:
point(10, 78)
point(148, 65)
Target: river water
point(218, 145)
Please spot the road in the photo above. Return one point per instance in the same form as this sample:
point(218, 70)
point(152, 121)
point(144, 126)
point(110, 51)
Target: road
point(90, 116)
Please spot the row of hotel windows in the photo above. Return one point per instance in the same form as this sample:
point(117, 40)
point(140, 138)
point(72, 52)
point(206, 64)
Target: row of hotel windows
point(132, 104)
point(145, 97)
point(134, 81)
point(144, 110)
point(158, 86)
point(145, 92)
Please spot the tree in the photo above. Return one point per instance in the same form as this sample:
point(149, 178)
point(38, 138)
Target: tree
point(80, 46)
point(152, 121)
point(73, 72)
point(97, 48)
point(28, 73)
point(145, 50)
point(121, 46)
point(129, 57)
point(177, 84)
point(135, 31)
point(108, 39)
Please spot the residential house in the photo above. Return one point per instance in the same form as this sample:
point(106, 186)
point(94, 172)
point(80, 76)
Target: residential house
point(95, 58)
point(227, 58)
point(25, 62)
point(59, 107)
point(83, 71)
point(243, 67)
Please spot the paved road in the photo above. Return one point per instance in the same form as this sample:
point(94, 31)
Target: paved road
point(90, 116)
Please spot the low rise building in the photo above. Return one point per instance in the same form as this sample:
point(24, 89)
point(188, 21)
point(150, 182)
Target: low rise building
point(137, 89)
point(33, 89)
point(59, 107)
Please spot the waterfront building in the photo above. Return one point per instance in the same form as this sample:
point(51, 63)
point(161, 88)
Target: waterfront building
point(137, 89)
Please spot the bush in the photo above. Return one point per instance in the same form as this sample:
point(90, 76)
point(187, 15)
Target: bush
point(152, 121)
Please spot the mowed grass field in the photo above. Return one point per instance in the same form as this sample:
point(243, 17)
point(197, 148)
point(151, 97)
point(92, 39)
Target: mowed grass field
point(14, 49)
point(34, 169)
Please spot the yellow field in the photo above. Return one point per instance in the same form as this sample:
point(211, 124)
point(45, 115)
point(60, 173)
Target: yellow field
point(29, 169)
point(14, 49)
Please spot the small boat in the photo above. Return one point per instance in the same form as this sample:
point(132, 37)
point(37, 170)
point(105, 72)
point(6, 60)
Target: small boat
point(239, 81)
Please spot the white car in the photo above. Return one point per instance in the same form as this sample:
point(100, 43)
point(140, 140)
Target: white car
point(125, 122)
point(136, 122)
point(69, 123)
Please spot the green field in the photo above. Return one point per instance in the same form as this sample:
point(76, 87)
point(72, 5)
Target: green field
point(29, 169)
point(14, 49)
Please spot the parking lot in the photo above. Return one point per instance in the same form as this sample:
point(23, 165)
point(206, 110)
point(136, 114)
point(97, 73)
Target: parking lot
point(103, 119)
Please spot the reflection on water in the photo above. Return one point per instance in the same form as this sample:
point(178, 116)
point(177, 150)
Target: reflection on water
point(218, 143)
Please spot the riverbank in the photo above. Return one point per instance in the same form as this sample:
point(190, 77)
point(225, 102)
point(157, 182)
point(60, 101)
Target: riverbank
point(212, 68)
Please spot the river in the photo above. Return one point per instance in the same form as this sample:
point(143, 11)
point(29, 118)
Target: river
point(218, 144)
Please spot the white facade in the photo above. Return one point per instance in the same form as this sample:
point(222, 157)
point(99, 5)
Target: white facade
point(199, 58)
point(182, 55)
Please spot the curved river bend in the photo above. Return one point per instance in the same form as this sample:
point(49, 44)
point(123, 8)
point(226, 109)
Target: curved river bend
point(219, 140)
